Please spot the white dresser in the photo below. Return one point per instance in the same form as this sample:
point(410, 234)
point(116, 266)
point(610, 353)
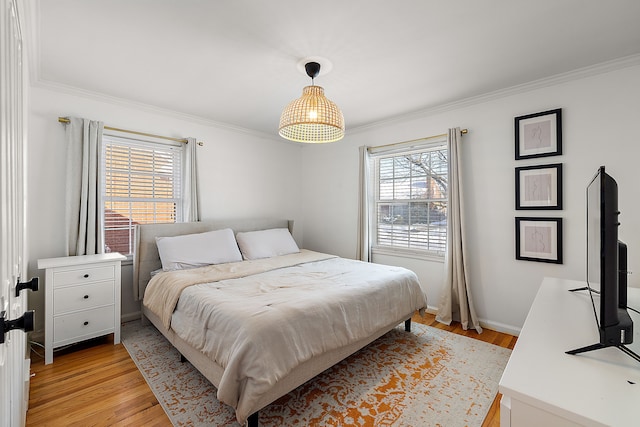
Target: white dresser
point(82, 299)
point(543, 386)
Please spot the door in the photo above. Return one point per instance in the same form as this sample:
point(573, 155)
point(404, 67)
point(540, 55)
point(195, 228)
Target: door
point(14, 365)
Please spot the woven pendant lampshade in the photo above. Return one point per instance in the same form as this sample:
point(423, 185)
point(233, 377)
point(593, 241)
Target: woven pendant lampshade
point(312, 118)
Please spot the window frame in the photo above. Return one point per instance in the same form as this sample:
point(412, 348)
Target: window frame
point(144, 143)
point(395, 150)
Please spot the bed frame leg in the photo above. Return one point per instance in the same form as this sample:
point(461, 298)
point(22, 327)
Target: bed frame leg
point(182, 358)
point(252, 421)
point(407, 325)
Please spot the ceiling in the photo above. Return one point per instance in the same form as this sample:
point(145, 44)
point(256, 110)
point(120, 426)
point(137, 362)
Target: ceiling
point(234, 62)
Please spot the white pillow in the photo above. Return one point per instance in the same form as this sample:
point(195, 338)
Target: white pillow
point(197, 250)
point(266, 243)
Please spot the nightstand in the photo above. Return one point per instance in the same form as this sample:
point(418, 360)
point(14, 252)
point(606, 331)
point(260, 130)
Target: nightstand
point(82, 299)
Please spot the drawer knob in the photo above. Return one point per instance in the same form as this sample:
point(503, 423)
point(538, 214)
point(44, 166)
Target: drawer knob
point(86, 275)
point(86, 323)
point(86, 297)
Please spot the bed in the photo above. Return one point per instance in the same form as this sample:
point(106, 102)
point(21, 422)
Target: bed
point(260, 326)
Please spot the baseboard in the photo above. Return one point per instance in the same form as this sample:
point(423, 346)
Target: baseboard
point(128, 317)
point(487, 324)
point(36, 336)
point(500, 327)
point(431, 309)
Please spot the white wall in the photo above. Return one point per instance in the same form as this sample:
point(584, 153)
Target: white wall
point(242, 175)
point(247, 175)
point(599, 116)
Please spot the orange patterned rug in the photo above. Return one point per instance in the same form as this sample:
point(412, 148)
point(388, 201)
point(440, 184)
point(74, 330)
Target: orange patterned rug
point(427, 377)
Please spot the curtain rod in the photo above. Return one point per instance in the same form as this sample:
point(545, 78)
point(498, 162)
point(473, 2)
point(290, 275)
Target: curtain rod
point(426, 138)
point(65, 121)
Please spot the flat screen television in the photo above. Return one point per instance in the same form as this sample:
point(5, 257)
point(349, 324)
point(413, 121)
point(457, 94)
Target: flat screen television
point(607, 267)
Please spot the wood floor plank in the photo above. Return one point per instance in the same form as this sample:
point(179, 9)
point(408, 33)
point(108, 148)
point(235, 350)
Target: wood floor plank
point(96, 383)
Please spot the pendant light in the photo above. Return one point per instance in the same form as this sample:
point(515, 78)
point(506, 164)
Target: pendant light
point(312, 118)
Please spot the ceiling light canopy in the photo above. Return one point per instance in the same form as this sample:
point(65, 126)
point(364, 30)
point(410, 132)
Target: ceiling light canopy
point(312, 118)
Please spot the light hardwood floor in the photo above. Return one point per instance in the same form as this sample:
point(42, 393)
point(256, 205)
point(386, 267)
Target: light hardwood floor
point(97, 384)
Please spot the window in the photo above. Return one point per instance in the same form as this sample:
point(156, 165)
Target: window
point(141, 184)
point(410, 209)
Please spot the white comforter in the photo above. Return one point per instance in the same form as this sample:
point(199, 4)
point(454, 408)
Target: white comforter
point(260, 327)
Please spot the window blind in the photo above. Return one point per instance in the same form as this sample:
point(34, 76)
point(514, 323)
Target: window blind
point(141, 185)
point(411, 196)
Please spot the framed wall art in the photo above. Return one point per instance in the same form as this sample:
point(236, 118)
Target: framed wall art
point(539, 134)
point(539, 187)
point(539, 239)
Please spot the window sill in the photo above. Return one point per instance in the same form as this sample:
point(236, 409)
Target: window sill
point(407, 253)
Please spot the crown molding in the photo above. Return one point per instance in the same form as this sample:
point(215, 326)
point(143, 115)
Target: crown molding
point(32, 24)
point(578, 74)
point(581, 73)
point(32, 21)
point(123, 102)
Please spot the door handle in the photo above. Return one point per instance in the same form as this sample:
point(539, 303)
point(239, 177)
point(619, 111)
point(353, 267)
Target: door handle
point(24, 322)
point(31, 284)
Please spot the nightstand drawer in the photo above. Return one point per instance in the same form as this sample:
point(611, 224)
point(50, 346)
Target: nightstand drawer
point(82, 297)
point(82, 325)
point(86, 274)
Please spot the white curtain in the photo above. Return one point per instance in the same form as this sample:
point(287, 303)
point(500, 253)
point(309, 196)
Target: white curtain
point(84, 139)
point(363, 250)
point(191, 204)
point(456, 302)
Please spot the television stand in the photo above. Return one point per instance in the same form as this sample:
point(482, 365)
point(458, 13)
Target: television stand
point(544, 386)
point(598, 346)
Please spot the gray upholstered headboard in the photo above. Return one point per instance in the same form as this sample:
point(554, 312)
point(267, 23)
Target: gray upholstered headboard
point(146, 258)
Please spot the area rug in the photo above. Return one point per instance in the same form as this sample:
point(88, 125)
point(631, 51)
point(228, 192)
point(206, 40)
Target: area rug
point(428, 377)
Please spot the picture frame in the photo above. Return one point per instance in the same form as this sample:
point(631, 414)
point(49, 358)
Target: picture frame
point(539, 239)
point(539, 187)
point(539, 134)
